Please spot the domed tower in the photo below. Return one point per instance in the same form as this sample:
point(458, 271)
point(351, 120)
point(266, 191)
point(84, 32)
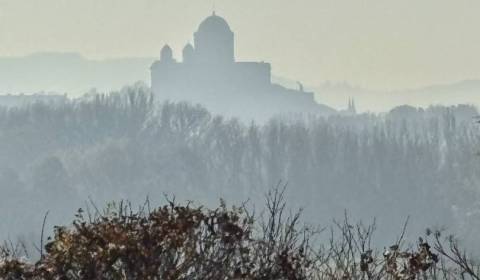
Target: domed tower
point(166, 54)
point(188, 53)
point(214, 41)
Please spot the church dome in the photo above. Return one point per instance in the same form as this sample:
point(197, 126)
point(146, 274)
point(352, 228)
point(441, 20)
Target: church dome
point(188, 48)
point(166, 54)
point(188, 53)
point(214, 23)
point(214, 41)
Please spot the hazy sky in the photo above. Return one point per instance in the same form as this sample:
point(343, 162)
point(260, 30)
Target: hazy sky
point(379, 44)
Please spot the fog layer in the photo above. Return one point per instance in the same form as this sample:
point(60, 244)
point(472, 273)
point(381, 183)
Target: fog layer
point(421, 163)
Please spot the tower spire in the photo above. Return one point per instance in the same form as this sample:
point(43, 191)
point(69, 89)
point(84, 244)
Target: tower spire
point(351, 106)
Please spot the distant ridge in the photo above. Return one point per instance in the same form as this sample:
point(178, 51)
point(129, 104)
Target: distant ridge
point(74, 74)
point(462, 92)
point(460, 86)
point(68, 73)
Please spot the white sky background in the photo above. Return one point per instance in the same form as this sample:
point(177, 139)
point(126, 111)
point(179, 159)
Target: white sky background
point(377, 44)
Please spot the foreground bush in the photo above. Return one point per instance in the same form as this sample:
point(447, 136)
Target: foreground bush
point(186, 242)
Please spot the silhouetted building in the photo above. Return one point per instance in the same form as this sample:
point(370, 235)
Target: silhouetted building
point(210, 75)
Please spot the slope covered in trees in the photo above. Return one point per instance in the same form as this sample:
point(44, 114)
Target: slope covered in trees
point(409, 162)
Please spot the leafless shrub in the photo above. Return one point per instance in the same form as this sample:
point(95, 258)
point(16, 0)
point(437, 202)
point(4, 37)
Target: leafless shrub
point(189, 242)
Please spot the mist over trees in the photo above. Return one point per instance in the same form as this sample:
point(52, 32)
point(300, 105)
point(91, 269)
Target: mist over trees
point(412, 162)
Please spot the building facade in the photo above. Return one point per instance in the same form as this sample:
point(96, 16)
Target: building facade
point(208, 73)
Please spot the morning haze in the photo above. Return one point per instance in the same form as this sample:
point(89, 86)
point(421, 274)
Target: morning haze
point(375, 44)
point(360, 113)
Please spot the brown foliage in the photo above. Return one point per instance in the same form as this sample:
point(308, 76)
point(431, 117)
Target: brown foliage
point(187, 242)
point(170, 242)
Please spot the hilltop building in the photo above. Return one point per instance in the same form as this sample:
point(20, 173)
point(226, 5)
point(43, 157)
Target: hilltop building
point(210, 75)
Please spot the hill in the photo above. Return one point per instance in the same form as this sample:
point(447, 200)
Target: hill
point(69, 73)
point(337, 95)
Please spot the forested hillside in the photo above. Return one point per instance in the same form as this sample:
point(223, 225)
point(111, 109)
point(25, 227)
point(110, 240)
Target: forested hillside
point(421, 163)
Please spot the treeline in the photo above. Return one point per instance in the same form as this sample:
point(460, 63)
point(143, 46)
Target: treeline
point(409, 162)
point(186, 241)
